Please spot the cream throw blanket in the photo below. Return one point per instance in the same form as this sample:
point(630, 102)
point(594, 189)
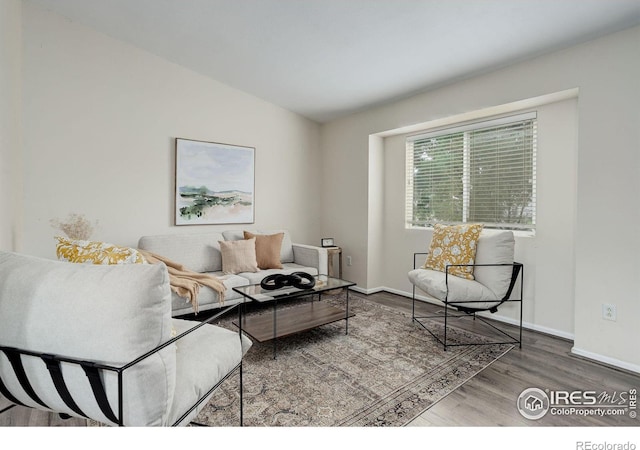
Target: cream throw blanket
point(184, 282)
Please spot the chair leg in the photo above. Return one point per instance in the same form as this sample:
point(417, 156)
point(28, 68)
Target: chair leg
point(520, 324)
point(521, 297)
point(413, 304)
point(241, 401)
point(446, 313)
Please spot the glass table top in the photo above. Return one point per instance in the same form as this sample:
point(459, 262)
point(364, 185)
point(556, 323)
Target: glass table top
point(323, 284)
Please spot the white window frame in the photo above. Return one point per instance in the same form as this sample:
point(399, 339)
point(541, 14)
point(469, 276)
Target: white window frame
point(466, 128)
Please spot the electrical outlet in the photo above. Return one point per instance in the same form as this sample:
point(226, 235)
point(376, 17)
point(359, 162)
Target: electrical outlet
point(348, 260)
point(608, 311)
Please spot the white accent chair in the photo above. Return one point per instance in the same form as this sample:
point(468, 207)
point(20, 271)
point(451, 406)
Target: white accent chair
point(98, 342)
point(495, 274)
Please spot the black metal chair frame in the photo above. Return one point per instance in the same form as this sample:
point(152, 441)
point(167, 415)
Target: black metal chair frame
point(92, 370)
point(518, 270)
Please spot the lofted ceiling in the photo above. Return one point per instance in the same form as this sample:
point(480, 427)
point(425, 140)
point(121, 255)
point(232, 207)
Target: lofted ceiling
point(326, 58)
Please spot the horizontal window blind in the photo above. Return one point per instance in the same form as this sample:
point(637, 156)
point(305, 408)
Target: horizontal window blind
point(480, 173)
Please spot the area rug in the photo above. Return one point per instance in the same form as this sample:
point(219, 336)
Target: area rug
point(385, 372)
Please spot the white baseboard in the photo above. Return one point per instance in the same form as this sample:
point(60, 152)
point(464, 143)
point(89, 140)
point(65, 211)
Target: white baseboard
point(606, 360)
point(527, 325)
point(531, 326)
point(366, 291)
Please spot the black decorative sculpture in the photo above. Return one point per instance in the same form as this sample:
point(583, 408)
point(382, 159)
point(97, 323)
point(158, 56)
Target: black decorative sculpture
point(300, 280)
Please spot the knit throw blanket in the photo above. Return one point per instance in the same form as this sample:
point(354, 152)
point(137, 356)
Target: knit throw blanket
point(184, 282)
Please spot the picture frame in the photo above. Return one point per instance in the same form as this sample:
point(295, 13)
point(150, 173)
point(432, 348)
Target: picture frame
point(327, 242)
point(214, 183)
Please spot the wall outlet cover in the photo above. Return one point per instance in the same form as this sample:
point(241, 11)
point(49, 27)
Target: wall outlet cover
point(609, 311)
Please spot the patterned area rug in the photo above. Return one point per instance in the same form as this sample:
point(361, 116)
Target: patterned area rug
point(385, 372)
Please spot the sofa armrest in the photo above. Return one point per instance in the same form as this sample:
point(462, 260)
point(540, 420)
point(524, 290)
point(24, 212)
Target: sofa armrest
point(311, 256)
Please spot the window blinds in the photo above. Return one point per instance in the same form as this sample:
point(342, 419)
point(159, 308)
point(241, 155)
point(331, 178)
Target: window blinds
point(481, 173)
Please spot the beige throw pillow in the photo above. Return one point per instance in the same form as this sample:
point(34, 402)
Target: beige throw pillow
point(455, 244)
point(268, 249)
point(238, 256)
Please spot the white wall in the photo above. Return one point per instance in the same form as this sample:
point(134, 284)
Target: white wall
point(608, 212)
point(100, 119)
point(548, 257)
point(607, 72)
point(10, 122)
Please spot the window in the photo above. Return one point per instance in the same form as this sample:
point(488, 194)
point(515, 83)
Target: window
point(482, 173)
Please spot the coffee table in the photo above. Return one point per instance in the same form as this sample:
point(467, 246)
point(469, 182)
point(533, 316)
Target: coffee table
point(298, 318)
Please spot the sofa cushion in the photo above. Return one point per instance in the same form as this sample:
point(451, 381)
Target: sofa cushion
point(495, 247)
point(233, 235)
point(453, 244)
point(110, 313)
point(198, 370)
point(267, 249)
point(460, 289)
point(207, 297)
point(197, 252)
point(239, 256)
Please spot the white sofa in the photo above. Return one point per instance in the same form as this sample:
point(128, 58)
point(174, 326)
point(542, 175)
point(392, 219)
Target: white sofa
point(200, 252)
point(91, 329)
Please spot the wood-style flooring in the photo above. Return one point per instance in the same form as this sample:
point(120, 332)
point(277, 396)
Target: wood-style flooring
point(488, 399)
point(544, 362)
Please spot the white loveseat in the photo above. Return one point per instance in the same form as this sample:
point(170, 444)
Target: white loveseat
point(98, 341)
point(200, 252)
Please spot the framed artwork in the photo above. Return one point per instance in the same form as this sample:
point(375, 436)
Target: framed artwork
point(214, 183)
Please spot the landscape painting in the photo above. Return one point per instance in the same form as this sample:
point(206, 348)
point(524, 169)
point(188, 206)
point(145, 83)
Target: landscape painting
point(214, 183)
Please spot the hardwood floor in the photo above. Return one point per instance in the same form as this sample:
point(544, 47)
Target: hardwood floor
point(544, 362)
point(488, 399)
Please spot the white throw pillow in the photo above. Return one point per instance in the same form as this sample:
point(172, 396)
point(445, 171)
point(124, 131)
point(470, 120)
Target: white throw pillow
point(495, 247)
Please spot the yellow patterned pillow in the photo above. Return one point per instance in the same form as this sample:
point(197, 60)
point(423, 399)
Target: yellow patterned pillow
point(454, 244)
point(92, 252)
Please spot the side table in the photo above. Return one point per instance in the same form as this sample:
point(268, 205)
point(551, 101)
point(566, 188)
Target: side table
point(331, 253)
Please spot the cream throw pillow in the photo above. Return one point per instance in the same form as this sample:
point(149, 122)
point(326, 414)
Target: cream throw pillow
point(94, 252)
point(268, 248)
point(453, 244)
point(239, 256)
